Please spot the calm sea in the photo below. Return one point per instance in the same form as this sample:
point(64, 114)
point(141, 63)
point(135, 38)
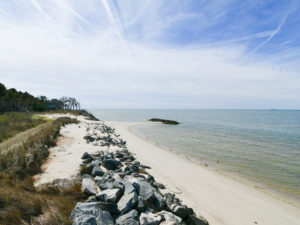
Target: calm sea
point(262, 145)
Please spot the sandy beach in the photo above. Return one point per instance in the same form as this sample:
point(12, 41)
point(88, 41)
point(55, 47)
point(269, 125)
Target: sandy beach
point(220, 199)
point(65, 158)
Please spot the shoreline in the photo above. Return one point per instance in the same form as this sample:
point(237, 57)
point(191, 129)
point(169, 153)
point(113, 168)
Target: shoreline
point(281, 195)
point(250, 204)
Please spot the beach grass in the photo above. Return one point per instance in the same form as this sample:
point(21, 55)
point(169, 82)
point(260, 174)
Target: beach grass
point(12, 123)
point(20, 158)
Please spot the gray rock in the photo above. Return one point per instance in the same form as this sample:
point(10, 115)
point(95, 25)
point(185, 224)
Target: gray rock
point(150, 179)
point(108, 182)
point(130, 218)
point(119, 155)
point(131, 169)
point(148, 218)
point(97, 171)
point(88, 160)
point(106, 185)
point(86, 156)
point(86, 208)
point(85, 220)
point(171, 199)
point(159, 185)
point(146, 190)
point(98, 179)
point(109, 195)
point(111, 164)
point(129, 188)
point(152, 198)
point(159, 203)
point(96, 162)
point(180, 210)
point(170, 217)
point(83, 208)
point(109, 207)
point(194, 220)
point(103, 217)
point(141, 206)
point(88, 186)
point(127, 202)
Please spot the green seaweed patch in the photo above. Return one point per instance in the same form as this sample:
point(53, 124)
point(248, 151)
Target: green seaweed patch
point(170, 122)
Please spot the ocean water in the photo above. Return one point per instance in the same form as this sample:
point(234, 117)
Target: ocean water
point(262, 145)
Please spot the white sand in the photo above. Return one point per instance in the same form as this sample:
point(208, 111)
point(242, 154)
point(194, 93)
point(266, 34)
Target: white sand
point(220, 199)
point(65, 158)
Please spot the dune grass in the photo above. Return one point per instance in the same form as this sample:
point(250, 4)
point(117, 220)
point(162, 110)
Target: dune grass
point(21, 203)
point(12, 123)
point(23, 154)
point(21, 157)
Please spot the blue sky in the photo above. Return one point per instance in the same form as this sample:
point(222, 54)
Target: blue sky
point(154, 54)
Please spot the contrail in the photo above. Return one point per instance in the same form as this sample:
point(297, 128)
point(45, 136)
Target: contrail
point(68, 9)
point(113, 21)
point(280, 25)
point(111, 18)
point(37, 6)
point(120, 17)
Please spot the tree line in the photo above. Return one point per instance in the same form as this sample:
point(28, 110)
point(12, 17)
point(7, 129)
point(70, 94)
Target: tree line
point(17, 101)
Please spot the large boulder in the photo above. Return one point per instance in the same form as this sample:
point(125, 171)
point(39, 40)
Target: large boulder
point(159, 203)
point(145, 190)
point(181, 210)
point(85, 220)
point(152, 198)
point(109, 195)
point(148, 218)
point(90, 208)
point(130, 218)
point(83, 208)
point(109, 207)
point(169, 217)
point(86, 156)
point(128, 200)
point(194, 220)
point(88, 185)
point(171, 199)
point(96, 162)
point(110, 181)
point(111, 164)
point(141, 206)
point(129, 187)
point(97, 171)
point(103, 217)
point(91, 214)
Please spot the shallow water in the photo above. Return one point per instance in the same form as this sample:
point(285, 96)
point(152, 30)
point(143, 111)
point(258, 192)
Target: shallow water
point(262, 145)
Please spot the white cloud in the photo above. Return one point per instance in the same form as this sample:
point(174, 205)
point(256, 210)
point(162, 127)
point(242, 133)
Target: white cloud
point(63, 53)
